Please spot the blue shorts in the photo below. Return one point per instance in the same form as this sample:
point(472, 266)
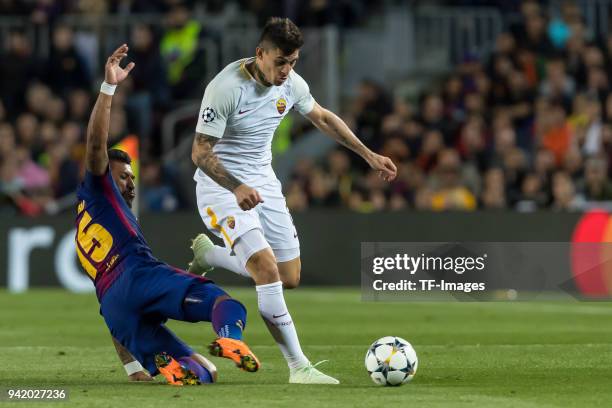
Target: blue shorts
point(141, 300)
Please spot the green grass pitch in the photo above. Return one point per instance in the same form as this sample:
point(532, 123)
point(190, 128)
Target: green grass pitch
point(553, 354)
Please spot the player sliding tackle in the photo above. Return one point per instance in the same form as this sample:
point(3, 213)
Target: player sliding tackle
point(239, 196)
point(137, 292)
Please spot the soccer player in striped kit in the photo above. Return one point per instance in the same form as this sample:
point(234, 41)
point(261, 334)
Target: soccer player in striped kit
point(137, 292)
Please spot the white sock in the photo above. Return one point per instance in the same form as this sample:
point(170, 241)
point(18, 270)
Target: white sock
point(274, 311)
point(220, 257)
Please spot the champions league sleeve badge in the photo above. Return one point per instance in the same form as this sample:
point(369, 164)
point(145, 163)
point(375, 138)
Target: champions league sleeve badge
point(209, 115)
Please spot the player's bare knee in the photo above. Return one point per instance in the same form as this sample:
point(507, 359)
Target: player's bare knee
point(291, 282)
point(267, 271)
point(290, 273)
point(263, 267)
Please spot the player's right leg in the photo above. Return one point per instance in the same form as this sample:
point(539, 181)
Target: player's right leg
point(175, 294)
point(242, 234)
point(208, 302)
point(149, 341)
point(252, 249)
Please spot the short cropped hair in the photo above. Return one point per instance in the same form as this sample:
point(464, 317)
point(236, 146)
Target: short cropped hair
point(119, 155)
point(281, 33)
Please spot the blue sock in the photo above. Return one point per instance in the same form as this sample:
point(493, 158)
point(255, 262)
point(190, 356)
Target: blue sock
point(202, 373)
point(229, 319)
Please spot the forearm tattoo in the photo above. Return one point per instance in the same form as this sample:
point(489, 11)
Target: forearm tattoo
point(209, 163)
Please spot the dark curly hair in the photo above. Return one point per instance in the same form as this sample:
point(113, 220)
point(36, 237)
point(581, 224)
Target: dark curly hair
point(119, 155)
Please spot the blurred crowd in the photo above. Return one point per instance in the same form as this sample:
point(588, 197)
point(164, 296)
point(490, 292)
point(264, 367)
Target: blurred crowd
point(305, 13)
point(45, 106)
point(528, 128)
point(46, 98)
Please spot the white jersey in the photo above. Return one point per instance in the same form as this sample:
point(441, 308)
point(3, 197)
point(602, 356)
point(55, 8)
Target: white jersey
point(245, 114)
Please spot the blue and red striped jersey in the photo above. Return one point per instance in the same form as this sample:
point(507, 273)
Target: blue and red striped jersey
point(109, 240)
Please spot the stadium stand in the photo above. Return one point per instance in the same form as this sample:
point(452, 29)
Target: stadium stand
point(525, 127)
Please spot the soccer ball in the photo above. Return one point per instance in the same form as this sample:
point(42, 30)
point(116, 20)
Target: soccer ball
point(391, 361)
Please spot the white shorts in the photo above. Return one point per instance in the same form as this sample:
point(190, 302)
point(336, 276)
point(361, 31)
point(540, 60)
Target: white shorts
point(222, 216)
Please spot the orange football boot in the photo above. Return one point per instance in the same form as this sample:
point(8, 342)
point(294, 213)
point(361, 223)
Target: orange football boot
point(175, 373)
point(237, 351)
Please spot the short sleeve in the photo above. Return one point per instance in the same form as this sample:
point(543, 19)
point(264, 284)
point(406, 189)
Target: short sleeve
point(217, 104)
point(94, 183)
point(304, 102)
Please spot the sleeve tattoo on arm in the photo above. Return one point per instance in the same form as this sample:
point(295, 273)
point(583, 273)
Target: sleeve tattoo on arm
point(209, 163)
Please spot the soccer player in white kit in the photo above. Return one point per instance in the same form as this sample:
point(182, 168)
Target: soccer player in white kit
point(238, 195)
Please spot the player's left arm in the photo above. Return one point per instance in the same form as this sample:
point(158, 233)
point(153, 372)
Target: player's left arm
point(334, 127)
point(96, 156)
point(127, 358)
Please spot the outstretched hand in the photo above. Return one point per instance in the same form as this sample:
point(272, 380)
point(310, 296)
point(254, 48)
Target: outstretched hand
point(113, 73)
point(384, 166)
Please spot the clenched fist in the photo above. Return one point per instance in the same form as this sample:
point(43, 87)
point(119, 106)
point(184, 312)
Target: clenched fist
point(247, 197)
